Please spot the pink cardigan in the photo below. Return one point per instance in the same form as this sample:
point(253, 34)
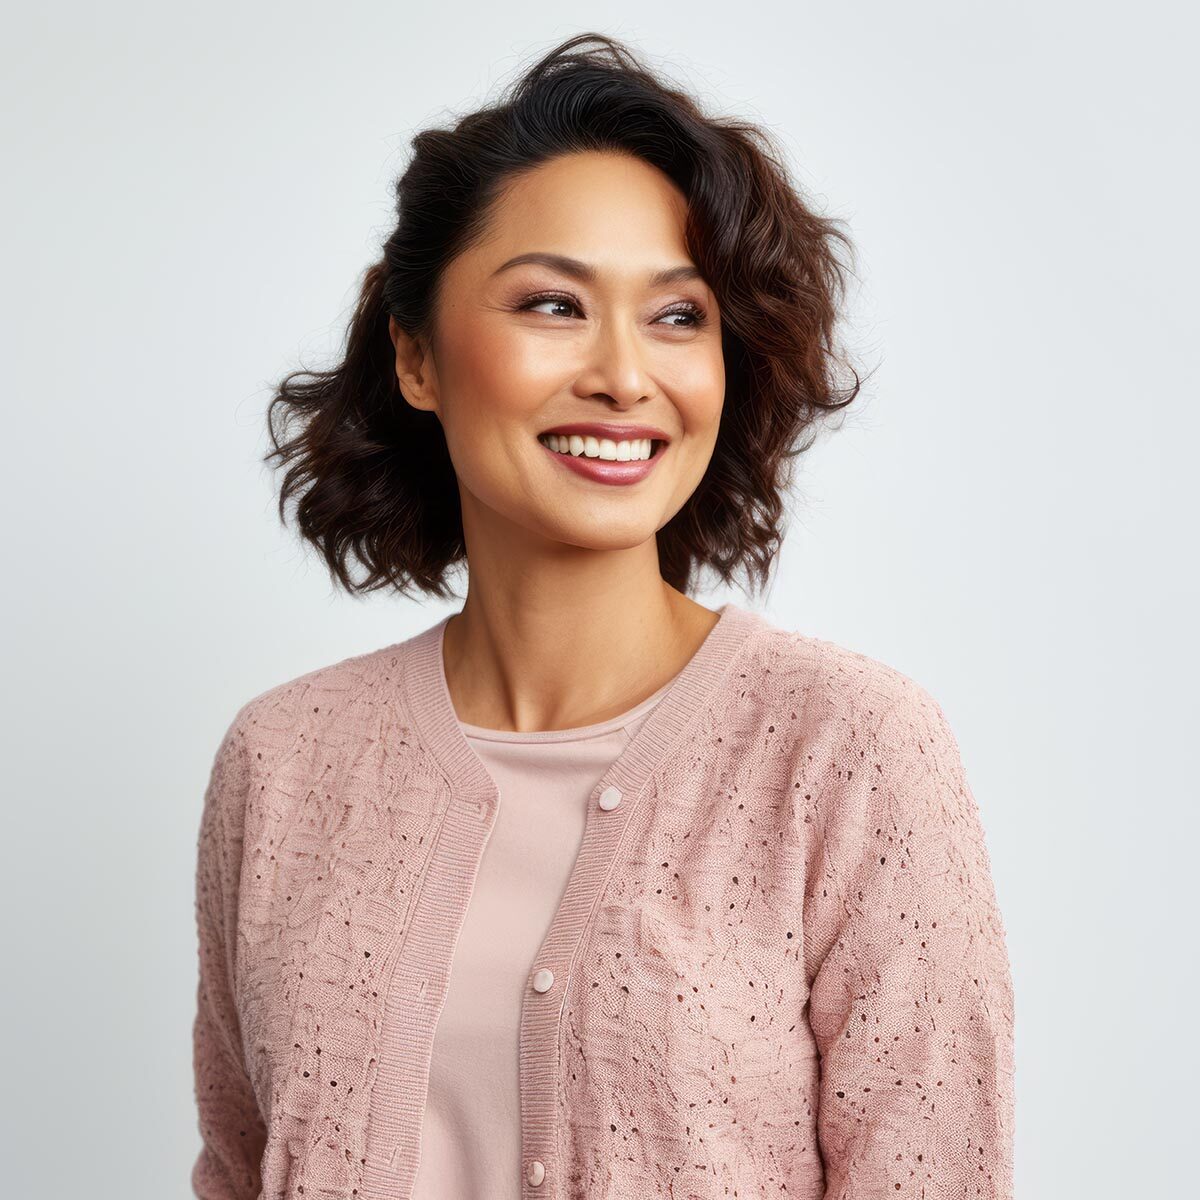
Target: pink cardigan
point(778, 967)
point(471, 1128)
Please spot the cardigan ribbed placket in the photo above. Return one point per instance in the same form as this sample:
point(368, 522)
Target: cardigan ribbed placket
point(422, 957)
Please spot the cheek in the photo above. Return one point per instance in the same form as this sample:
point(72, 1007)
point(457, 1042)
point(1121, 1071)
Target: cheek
point(698, 387)
point(490, 386)
point(490, 374)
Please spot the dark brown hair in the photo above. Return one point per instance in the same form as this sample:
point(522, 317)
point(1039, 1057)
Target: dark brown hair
point(372, 476)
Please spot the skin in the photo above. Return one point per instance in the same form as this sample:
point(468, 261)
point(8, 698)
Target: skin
point(567, 620)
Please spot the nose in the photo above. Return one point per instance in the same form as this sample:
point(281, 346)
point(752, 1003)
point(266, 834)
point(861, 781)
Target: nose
point(617, 371)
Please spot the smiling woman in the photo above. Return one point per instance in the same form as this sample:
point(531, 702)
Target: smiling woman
point(592, 246)
point(624, 327)
point(588, 890)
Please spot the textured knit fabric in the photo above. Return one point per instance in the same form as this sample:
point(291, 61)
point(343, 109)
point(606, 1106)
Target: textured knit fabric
point(779, 965)
point(471, 1132)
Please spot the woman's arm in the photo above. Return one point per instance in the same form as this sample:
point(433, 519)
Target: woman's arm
point(230, 1123)
point(911, 1002)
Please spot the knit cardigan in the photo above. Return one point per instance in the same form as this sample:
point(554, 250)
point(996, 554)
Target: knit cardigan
point(778, 967)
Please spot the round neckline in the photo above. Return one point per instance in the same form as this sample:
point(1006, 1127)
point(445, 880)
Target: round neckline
point(432, 710)
point(574, 733)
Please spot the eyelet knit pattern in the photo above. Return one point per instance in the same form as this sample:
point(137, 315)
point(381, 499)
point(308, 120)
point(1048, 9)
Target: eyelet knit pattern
point(780, 967)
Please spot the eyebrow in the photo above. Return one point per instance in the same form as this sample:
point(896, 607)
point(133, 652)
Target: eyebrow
point(587, 273)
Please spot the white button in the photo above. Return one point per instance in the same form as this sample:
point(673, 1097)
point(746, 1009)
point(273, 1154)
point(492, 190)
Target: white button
point(536, 1172)
point(610, 798)
point(543, 979)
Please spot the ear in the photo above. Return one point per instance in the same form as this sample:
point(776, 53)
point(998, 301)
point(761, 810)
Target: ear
point(414, 369)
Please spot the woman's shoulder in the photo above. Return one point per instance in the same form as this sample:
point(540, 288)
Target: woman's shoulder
point(842, 708)
point(314, 700)
point(833, 680)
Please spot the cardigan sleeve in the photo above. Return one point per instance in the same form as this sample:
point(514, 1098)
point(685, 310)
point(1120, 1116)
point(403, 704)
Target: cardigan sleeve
point(911, 1000)
point(231, 1127)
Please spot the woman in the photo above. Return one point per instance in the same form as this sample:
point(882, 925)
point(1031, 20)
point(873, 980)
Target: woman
point(588, 890)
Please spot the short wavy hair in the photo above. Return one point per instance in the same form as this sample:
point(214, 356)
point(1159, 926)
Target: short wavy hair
point(371, 476)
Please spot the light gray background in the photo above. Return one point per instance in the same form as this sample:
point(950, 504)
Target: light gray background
point(1008, 516)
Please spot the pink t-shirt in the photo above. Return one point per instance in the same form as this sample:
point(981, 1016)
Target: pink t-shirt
point(471, 1133)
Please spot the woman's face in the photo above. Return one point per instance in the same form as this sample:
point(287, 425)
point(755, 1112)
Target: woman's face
point(584, 335)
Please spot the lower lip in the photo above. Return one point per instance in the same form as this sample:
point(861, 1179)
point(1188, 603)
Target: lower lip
point(604, 470)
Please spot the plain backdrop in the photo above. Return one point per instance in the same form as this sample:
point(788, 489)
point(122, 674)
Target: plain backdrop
point(1007, 514)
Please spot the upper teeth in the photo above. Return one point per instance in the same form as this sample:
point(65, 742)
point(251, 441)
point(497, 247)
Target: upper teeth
point(590, 447)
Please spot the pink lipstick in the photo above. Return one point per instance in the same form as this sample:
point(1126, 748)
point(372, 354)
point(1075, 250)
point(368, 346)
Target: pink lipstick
point(579, 444)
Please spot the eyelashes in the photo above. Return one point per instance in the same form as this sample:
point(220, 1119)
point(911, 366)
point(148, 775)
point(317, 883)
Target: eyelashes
point(699, 318)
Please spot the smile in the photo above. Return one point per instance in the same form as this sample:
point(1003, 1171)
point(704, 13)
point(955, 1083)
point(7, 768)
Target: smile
point(605, 460)
point(608, 449)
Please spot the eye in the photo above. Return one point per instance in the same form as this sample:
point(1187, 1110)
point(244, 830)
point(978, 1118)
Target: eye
point(695, 314)
point(694, 311)
point(533, 302)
